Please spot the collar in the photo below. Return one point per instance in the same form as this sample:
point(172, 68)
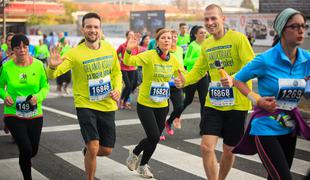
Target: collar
point(161, 55)
point(302, 56)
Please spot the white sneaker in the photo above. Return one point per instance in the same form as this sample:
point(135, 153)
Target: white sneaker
point(60, 94)
point(132, 161)
point(145, 171)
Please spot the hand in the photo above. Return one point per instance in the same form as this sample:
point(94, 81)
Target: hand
point(132, 42)
point(115, 95)
point(33, 101)
point(227, 81)
point(8, 101)
point(267, 103)
point(54, 59)
point(180, 80)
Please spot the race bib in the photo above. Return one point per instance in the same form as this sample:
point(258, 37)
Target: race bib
point(184, 47)
point(25, 109)
point(221, 96)
point(41, 56)
point(160, 91)
point(290, 92)
point(99, 88)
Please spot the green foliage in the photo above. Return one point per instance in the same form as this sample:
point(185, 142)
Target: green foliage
point(70, 8)
point(51, 19)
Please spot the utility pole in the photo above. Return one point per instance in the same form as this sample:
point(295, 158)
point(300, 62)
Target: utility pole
point(3, 4)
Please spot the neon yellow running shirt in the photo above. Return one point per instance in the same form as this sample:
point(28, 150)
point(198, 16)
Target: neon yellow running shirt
point(154, 69)
point(90, 65)
point(234, 50)
point(178, 53)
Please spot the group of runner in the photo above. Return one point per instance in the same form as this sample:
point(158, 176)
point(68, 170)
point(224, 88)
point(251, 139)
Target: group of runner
point(219, 67)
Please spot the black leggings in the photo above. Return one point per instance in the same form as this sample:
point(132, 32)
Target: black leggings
point(176, 97)
point(26, 133)
point(129, 78)
point(153, 122)
point(276, 153)
point(202, 87)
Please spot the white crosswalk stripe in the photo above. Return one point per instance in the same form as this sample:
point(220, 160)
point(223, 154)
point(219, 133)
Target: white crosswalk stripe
point(109, 169)
point(191, 163)
point(170, 155)
point(299, 166)
point(10, 170)
point(106, 167)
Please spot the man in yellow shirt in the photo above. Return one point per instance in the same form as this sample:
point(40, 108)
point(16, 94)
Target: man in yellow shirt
point(97, 82)
point(225, 108)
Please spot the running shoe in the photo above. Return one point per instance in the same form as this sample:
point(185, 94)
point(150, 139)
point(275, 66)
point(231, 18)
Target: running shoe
point(169, 129)
point(127, 105)
point(162, 137)
point(6, 129)
point(145, 171)
point(132, 161)
point(177, 123)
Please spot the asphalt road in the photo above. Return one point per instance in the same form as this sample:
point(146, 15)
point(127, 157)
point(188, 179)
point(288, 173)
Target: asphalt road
point(176, 158)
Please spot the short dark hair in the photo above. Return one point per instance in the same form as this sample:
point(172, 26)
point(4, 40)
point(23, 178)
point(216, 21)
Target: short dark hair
point(142, 39)
point(127, 32)
point(193, 32)
point(182, 24)
point(17, 39)
point(90, 15)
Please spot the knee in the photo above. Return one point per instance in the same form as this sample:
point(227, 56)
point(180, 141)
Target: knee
point(92, 149)
point(179, 108)
point(227, 150)
point(154, 139)
point(34, 152)
point(104, 151)
point(206, 149)
point(26, 152)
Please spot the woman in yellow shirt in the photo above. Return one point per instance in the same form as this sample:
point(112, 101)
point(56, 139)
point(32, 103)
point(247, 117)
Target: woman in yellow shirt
point(157, 69)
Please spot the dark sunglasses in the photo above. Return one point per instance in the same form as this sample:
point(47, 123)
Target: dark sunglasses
point(298, 26)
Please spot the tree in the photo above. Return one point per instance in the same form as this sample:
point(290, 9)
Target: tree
point(51, 19)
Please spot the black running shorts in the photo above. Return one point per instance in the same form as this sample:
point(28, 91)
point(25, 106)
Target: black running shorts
point(226, 124)
point(97, 125)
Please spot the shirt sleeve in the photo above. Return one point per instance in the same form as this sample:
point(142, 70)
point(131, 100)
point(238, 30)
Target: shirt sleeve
point(136, 60)
point(254, 68)
point(3, 82)
point(188, 55)
point(199, 70)
point(44, 86)
point(47, 52)
point(179, 67)
point(116, 75)
point(245, 50)
point(120, 52)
